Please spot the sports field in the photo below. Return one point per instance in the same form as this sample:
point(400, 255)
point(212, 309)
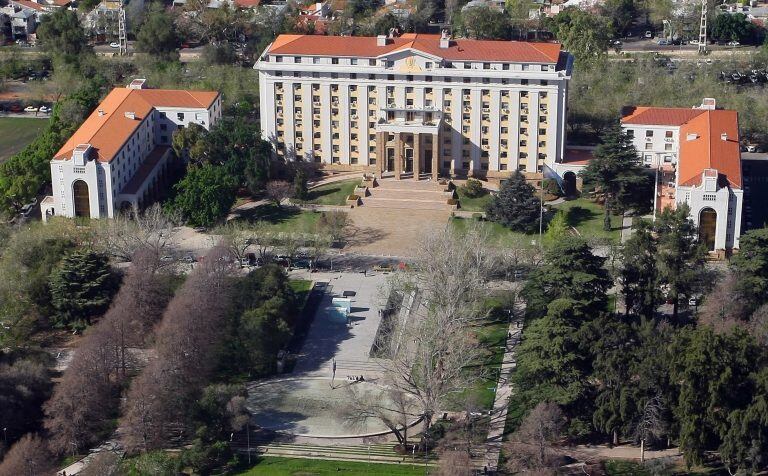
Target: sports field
point(17, 132)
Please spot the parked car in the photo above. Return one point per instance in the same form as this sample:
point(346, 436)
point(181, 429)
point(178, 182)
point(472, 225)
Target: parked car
point(616, 42)
point(694, 42)
point(693, 301)
point(649, 34)
point(15, 108)
point(663, 42)
point(733, 43)
point(30, 109)
point(114, 44)
point(44, 110)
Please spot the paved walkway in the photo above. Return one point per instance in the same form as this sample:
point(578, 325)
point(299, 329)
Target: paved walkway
point(626, 227)
point(501, 402)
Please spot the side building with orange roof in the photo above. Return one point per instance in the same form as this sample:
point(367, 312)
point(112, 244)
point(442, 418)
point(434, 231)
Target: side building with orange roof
point(696, 155)
point(415, 104)
point(121, 156)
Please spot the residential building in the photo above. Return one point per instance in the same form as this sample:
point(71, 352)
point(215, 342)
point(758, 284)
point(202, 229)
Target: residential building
point(121, 155)
point(415, 103)
point(696, 155)
point(25, 15)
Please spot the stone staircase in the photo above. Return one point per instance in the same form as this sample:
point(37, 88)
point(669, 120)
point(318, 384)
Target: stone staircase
point(408, 194)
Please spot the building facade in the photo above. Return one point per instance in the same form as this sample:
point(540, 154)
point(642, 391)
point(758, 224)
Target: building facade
point(415, 104)
point(120, 156)
point(696, 155)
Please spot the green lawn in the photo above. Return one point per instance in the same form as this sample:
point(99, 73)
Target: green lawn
point(302, 288)
point(497, 233)
point(476, 204)
point(333, 193)
point(16, 132)
point(587, 217)
point(283, 219)
point(275, 466)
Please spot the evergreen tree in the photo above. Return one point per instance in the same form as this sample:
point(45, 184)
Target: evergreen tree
point(515, 205)
point(750, 265)
point(745, 447)
point(570, 270)
point(557, 230)
point(300, 191)
point(82, 287)
point(60, 32)
point(680, 256)
point(204, 195)
point(157, 35)
point(639, 274)
point(615, 170)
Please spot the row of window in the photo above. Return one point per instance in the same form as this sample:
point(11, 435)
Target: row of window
point(408, 78)
point(427, 64)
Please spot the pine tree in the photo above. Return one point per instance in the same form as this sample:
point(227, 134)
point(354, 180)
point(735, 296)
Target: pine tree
point(81, 288)
point(515, 206)
point(615, 169)
point(300, 191)
point(639, 275)
point(557, 230)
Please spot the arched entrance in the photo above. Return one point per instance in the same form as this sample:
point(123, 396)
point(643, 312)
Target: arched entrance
point(81, 199)
point(569, 183)
point(708, 228)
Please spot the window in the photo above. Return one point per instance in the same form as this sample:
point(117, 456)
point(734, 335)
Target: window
point(297, 59)
point(710, 197)
point(630, 133)
point(648, 133)
point(667, 146)
point(180, 116)
point(648, 146)
point(523, 81)
point(668, 134)
point(353, 61)
point(334, 60)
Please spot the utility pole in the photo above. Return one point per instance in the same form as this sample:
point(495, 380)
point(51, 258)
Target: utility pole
point(703, 29)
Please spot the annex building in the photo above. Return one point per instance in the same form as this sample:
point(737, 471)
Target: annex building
point(120, 156)
point(415, 104)
point(696, 155)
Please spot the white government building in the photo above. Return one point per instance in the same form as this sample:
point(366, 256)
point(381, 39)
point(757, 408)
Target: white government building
point(120, 156)
point(415, 104)
point(697, 158)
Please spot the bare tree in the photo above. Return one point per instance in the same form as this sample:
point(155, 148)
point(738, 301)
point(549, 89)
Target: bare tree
point(651, 423)
point(278, 190)
point(391, 407)
point(533, 447)
point(186, 353)
point(334, 224)
point(87, 395)
point(28, 457)
point(723, 307)
point(758, 325)
point(127, 233)
point(104, 463)
point(432, 350)
point(237, 236)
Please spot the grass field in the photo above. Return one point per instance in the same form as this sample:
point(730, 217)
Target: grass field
point(283, 219)
point(274, 466)
point(476, 204)
point(498, 234)
point(587, 217)
point(302, 288)
point(16, 132)
point(333, 193)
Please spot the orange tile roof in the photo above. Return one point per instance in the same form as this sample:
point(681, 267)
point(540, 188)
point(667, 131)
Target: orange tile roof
point(29, 4)
point(709, 150)
point(247, 3)
point(460, 49)
point(662, 116)
point(108, 132)
point(577, 156)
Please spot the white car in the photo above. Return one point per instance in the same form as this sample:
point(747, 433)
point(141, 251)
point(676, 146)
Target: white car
point(114, 44)
point(733, 43)
point(44, 110)
point(693, 42)
point(30, 109)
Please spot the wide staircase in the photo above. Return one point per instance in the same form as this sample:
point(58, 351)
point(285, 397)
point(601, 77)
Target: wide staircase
point(409, 194)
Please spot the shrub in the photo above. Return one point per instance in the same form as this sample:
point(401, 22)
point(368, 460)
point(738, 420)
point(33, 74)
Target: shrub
point(473, 188)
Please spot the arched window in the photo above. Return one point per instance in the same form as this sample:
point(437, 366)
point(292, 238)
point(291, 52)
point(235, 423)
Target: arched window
point(81, 198)
point(708, 228)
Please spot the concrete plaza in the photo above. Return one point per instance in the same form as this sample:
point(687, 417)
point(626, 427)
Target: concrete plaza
point(349, 345)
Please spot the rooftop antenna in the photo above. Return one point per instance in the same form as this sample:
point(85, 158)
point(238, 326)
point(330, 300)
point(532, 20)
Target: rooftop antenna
point(122, 32)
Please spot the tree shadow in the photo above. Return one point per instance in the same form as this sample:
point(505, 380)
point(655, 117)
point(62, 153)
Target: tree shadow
point(578, 215)
point(317, 193)
point(359, 236)
point(270, 213)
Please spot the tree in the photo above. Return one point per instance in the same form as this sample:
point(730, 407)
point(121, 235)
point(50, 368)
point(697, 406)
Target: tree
point(750, 266)
point(61, 33)
point(639, 275)
point(680, 257)
point(204, 196)
point(483, 23)
point(28, 457)
point(557, 230)
point(334, 224)
point(473, 188)
point(150, 231)
point(25, 385)
point(82, 287)
point(745, 446)
point(724, 307)
point(533, 447)
point(732, 27)
point(157, 35)
point(515, 205)
point(570, 271)
point(582, 33)
point(278, 190)
point(614, 169)
point(621, 13)
point(300, 191)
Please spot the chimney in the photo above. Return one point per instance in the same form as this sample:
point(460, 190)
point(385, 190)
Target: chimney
point(130, 115)
point(708, 103)
point(724, 136)
point(381, 40)
point(138, 84)
point(445, 39)
point(102, 113)
point(691, 136)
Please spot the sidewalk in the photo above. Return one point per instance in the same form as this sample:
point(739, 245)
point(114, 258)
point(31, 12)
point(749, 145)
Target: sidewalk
point(626, 227)
point(501, 402)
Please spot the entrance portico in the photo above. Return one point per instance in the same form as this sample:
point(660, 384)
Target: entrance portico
point(408, 147)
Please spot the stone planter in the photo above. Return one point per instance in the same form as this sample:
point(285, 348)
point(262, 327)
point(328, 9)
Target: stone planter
point(353, 201)
point(361, 190)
